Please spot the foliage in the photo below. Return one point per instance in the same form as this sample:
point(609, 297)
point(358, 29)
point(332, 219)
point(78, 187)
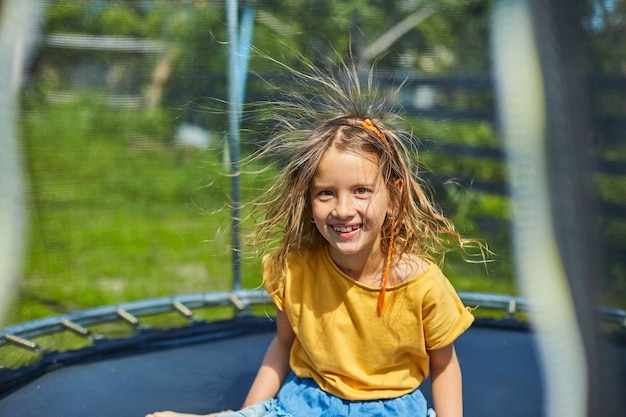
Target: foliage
point(99, 17)
point(604, 28)
point(120, 213)
point(117, 212)
point(445, 41)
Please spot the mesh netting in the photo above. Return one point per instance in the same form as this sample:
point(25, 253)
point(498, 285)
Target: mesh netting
point(122, 119)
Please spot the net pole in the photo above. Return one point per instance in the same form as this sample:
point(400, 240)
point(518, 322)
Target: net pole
point(570, 149)
point(233, 139)
point(521, 95)
point(238, 57)
point(244, 46)
point(18, 28)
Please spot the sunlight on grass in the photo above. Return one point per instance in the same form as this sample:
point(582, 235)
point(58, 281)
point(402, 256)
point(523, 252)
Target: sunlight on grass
point(119, 213)
point(112, 222)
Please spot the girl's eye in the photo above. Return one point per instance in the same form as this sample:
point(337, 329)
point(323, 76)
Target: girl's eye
point(361, 191)
point(325, 193)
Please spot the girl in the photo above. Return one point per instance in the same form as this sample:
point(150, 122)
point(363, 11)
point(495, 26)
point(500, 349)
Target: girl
point(364, 314)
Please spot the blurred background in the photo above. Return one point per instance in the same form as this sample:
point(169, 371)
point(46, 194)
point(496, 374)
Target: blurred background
point(122, 133)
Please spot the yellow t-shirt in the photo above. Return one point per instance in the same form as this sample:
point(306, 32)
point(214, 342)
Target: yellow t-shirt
point(345, 346)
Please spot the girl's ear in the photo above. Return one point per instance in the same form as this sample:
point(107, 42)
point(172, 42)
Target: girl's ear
point(393, 205)
point(399, 184)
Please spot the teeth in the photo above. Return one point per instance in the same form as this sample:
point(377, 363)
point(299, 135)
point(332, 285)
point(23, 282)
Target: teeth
point(345, 229)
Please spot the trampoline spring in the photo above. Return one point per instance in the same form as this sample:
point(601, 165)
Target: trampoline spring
point(512, 307)
point(77, 328)
point(237, 302)
point(23, 343)
point(182, 309)
point(128, 317)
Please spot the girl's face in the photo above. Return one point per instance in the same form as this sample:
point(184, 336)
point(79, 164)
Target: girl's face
point(349, 202)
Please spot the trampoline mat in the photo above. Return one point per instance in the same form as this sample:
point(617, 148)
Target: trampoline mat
point(500, 372)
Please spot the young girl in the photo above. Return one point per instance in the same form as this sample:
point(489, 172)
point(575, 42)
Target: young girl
point(364, 313)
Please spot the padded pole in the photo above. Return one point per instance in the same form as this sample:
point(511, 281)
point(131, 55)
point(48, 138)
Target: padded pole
point(18, 29)
point(521, 95)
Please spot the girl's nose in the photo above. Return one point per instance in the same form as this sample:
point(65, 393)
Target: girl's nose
point(344, 207)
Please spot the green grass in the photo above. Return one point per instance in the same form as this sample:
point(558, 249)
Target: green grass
point(118, 213)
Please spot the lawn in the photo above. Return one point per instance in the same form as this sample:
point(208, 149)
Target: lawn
point(118, 212)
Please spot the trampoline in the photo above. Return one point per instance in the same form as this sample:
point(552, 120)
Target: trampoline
point(207, 366)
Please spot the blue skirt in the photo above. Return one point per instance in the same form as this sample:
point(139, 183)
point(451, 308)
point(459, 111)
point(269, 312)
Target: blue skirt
point(302, 397)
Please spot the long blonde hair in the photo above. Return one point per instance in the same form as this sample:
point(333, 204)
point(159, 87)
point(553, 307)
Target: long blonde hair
point(329, 109)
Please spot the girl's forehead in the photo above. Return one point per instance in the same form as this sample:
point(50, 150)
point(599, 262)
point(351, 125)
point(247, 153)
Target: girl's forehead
point(349, 154)
point(337, 163)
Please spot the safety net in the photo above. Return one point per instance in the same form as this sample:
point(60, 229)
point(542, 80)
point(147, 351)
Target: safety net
point(125, 126)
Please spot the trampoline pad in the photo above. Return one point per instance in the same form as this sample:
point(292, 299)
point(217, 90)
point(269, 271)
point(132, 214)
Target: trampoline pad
point(500, 372)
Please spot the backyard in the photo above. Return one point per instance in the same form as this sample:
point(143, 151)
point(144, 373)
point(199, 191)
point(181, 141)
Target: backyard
point(120, 210)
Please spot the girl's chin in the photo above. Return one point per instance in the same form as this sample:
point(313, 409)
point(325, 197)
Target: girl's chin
point(350, 250)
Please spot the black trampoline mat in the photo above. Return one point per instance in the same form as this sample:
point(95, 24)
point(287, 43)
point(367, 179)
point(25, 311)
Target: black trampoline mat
point(500, 374)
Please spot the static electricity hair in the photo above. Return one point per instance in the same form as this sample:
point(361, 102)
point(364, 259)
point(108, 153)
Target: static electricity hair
point(328, 110)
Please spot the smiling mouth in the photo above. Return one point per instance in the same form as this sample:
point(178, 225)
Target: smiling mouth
point(346, 229)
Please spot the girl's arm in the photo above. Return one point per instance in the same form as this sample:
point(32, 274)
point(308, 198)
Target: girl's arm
point(272, 373)
point(275, 366)
point(445, 375)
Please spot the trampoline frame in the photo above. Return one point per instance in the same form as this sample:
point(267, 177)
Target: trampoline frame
point(21, 335)
point(508, 313)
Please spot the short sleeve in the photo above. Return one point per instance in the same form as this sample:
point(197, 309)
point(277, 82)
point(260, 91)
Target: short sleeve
point(275, 291)
point(444, 315)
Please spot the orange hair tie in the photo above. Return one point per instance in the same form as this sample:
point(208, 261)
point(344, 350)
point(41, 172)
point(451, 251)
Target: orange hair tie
point(383, 289)
point(368, 125)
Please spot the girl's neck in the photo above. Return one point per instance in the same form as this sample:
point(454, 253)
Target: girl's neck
point(369, 271)
point(365, 268)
